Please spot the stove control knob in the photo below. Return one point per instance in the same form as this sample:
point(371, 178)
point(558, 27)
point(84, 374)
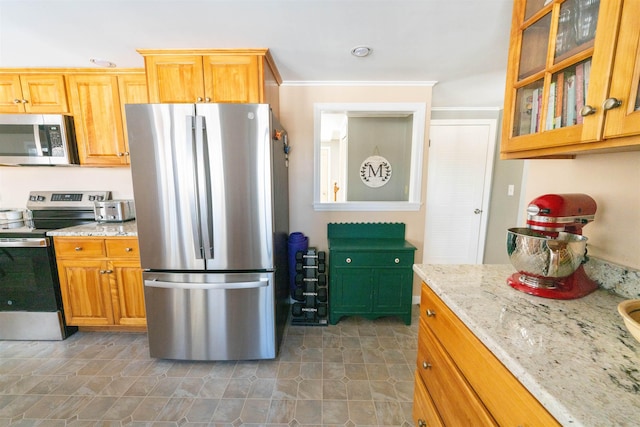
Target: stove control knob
point(99, 198)
point(32, 198)
point(92, 198)
point(40, 198)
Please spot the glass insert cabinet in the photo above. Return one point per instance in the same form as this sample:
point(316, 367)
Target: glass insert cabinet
point(572, 78)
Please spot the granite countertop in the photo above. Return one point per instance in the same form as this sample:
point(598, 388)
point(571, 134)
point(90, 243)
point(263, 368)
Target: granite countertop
point(576, 357)
point(99, 229)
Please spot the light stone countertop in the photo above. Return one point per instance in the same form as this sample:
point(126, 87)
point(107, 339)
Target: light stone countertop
point(576, 357)
point(98, 229)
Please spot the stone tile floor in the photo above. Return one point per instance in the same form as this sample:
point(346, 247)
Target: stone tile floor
point(356, 373)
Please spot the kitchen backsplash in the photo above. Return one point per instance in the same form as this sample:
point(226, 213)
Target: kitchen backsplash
point(618, 279)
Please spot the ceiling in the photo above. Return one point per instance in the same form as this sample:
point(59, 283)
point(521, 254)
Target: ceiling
point(460, 44)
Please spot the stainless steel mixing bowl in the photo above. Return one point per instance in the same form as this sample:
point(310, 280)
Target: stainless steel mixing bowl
point(535, 254)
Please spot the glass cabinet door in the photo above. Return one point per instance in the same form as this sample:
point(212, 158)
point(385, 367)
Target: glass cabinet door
point(556, 46)
point(622, 107)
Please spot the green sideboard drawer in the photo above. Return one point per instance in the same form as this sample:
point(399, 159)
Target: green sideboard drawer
point(370, 271)
point(372, 259)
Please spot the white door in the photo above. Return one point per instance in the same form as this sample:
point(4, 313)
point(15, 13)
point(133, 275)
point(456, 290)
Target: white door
point(458, 186)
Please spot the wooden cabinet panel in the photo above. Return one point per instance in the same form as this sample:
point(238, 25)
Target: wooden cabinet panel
point(122, 248)
point(80, 248)
point(174, 78)
point(128, 302)
point(232, 78)
point(33, 93)
point(490, 380)
point(454, 398)
point(425, 413)
point(98, 119)
point(85, 292)
point(101, 281)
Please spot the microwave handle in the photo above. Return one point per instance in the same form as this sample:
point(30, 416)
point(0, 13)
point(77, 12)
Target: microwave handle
point(37, 140)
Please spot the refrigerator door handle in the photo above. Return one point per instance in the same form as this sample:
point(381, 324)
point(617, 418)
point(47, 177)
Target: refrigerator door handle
point(193, 201)
point(203, 189)
point(260, 283)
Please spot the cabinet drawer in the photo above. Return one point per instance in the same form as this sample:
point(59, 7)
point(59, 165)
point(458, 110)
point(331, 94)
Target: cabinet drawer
point(424, 411)
point(122, 248)
point(79, 248)
point(493, 381)
point(452, 395)
point(371, 259)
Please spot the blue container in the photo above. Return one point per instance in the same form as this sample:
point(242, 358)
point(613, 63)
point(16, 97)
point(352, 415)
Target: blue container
point(297, 242)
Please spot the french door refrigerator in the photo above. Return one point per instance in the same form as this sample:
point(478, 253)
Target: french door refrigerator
point(210, 186)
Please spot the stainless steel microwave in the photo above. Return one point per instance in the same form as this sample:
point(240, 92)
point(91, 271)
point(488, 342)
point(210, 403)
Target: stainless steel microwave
point(37, 139)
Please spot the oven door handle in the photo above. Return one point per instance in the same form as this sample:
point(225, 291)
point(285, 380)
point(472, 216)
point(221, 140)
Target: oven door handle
point(29, 242)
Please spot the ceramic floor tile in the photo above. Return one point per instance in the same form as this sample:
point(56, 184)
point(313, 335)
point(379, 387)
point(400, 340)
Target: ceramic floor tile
point(358, 372)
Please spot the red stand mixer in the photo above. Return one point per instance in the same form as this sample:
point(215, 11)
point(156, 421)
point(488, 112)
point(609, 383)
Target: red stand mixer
point(550, 252)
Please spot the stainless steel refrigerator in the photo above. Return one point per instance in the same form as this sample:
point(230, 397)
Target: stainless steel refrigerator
point(210, 186)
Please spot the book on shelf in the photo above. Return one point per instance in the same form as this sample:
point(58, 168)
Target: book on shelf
point(526, 104)
point(579, 91)
point(587, 75)
point(534, 111)
point(571, 99)
point(551, 107)
point(559, 100)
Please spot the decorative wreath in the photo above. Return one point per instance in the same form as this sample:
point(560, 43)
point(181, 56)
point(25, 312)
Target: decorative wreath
point(375, 171)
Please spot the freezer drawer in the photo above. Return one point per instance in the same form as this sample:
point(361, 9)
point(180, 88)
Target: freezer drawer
point(211, 316)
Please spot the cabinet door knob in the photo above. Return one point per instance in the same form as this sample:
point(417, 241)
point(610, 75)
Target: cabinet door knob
point(348, 260)
point(17, 101)
point(422, 423)
point(24, 101)
point(106, 271)
point(207, 99)
point(120, 154)
point(128, 249)
point(587, 110)
point(199, 99)
point(78, 248)
point(430, 313)
point(611, 103)
point(397, 260)
point(426, 365)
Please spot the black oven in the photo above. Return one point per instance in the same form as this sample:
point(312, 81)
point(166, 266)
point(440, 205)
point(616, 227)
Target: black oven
point(30, 301)
point(31, 305)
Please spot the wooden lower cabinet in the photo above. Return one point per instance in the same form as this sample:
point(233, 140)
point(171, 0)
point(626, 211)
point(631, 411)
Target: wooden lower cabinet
point(101, 281)
point(460, 382)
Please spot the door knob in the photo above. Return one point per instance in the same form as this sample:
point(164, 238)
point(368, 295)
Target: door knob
point(611, 103)
point(477, 211)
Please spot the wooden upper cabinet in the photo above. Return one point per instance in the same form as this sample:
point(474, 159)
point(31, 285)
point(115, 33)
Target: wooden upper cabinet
point(95, 104)
point(232, 78)
point(211, 75)
point(572, 78)
point(33, 93)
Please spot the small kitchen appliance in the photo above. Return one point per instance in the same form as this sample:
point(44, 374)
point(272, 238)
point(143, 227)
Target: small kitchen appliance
point(114, 210)
point(550, 252)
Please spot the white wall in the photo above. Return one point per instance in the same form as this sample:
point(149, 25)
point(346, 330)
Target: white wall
point(613, 180)
point(296, 114)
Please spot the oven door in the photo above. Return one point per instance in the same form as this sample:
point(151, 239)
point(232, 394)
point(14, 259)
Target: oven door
point(28, 275)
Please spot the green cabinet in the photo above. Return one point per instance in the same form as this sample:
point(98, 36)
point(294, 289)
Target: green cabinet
point(370, 271)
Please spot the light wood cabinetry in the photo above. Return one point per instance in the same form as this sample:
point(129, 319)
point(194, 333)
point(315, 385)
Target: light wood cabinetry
point(460, 382)
point(101, 281)
point(32, 93)
point(572, 78)
point(211, 75)
point(97, 104)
